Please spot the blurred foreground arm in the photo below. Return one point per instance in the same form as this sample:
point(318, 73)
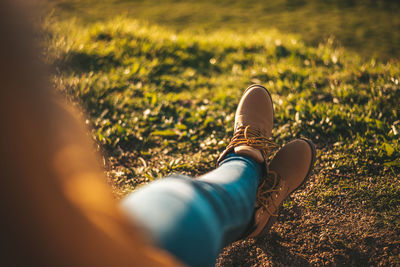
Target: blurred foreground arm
point(55, 206)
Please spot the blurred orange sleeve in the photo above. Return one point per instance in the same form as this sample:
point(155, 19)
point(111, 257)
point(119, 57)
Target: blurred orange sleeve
point(55, 206)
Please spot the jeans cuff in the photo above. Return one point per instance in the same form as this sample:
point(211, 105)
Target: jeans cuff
point(233, 156)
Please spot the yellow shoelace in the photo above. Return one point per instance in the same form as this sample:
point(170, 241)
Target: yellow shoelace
point(244, 135)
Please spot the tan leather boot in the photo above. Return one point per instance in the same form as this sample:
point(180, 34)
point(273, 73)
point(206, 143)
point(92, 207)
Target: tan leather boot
point(254, 120)
point(287, 171)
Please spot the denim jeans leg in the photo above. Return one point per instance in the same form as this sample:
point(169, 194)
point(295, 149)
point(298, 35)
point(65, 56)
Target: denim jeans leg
point(194, 218)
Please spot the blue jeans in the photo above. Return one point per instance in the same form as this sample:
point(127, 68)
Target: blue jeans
point(194, 219)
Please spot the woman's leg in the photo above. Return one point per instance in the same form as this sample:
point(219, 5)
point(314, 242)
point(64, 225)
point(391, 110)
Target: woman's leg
point(194, 218)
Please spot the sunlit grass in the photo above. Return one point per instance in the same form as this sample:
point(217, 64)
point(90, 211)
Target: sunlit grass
point(161, 102)
point(368, 27)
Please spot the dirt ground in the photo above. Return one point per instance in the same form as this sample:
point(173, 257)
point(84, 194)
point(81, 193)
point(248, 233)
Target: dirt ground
point(337, 234)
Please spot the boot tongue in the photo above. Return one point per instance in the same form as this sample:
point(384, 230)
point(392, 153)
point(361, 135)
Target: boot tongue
point(250, 152)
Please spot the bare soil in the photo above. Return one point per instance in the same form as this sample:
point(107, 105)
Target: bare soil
point(337, 234)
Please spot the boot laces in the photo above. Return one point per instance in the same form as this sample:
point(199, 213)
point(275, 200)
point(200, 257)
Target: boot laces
point(269, 188)
point(244, 135)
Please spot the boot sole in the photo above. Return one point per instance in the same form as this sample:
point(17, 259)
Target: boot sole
point(273, 219)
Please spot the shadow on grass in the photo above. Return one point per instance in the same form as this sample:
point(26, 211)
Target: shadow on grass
point(79, 62)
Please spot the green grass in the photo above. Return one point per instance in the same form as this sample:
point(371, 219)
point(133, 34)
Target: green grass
point(160, 102)
point(369, 27)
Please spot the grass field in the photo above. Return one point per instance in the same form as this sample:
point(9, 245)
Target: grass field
point(370, 27)
point(160, 101)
